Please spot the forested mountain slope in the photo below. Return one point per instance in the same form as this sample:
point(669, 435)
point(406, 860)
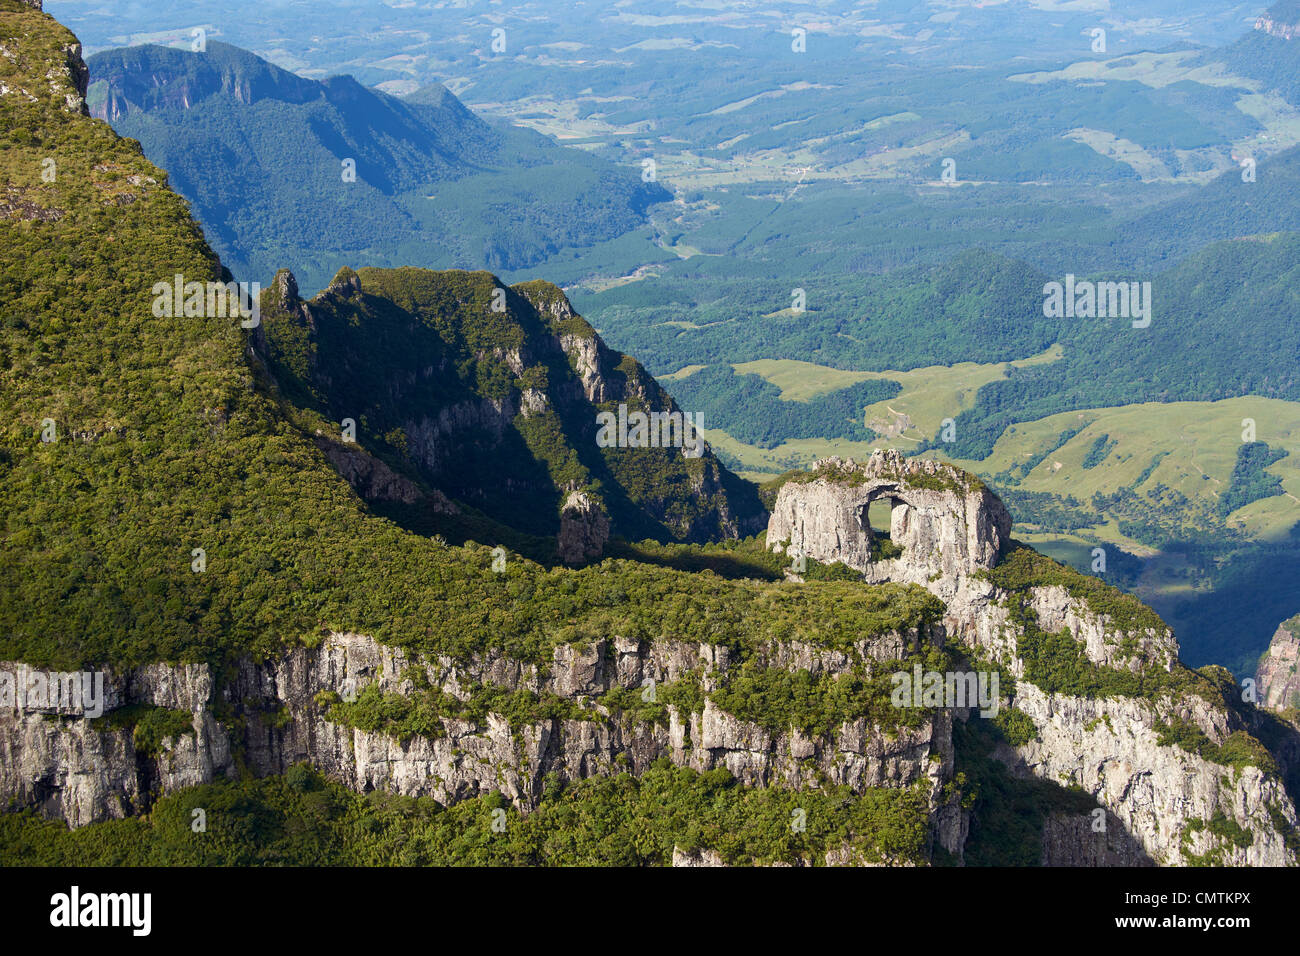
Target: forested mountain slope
point(330, 171)
point(1271, 53)
point(1221, 325)
point(495, 407)
point(162, 439)
point(176, 518)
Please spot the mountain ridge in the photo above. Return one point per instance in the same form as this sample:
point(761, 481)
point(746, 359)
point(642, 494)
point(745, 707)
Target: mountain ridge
point(172, 521)
point(1268, 53)
point(362, 167)
point(496, 408)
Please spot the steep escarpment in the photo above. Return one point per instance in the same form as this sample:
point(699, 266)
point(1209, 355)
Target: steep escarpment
point(222, 525)
point(1281, 21)
point(1123, 756)
point(1268, 54)
point(1278, 675)
point(455, 729)
point(1108, 709)
point(492, 395)
point(142, 78)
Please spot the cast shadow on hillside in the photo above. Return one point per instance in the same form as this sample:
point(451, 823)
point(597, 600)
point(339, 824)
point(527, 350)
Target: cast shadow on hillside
point(1022, 820)
point(1256, 586)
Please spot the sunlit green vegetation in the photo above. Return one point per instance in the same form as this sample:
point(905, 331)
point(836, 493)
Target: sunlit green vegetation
point(751, 409)
point(302, 819)
point(1250, 481)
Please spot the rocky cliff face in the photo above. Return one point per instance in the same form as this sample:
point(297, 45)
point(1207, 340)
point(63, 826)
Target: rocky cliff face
point(1275, 28)
point(272, 715)
point(946, 522)
point(1172, 770)
point(1278, 677)
point(81, 770)
point(157, 80)
point(491, 395)
point(584, 529)
point(1168, 800)
point(1161, 798)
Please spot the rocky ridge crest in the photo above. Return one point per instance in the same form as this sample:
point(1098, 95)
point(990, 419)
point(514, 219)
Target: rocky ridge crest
point(1119, 748)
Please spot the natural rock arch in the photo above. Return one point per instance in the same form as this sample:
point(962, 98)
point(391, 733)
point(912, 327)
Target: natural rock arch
point(946, 522)
point(899, 512)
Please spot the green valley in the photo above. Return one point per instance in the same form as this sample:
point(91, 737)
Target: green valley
point(421, 562)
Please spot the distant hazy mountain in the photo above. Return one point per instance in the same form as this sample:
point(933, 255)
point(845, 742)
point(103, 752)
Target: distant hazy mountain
point(1232, 206)
point(1271, 53)
point(266, 158)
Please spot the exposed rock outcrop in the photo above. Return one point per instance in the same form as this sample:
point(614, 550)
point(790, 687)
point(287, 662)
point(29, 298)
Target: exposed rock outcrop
point(1161, 795)
point(78, 769)
point(1277, 678)
point(81, 770)
point(980, 613)
point(947, 523)
point(1121, 750)
point(1276, 28)
point(1091, 839)
point(697, 858)
point(66, 80)
point(375, 481)
point(584, 529)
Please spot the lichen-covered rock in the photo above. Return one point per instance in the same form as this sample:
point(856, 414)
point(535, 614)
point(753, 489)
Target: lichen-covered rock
point(697, 858)
point(1162, 795)
point(78, 771)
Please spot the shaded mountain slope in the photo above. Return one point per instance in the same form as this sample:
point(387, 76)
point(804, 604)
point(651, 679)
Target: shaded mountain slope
point(496, 409)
